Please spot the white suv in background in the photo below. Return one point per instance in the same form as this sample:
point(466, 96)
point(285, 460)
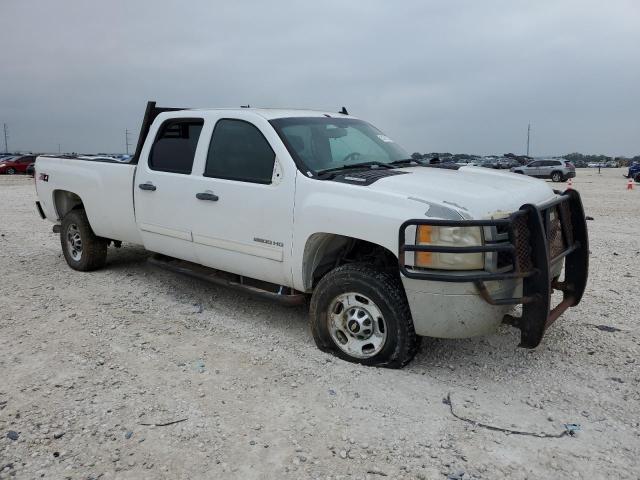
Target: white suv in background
point(558, 170)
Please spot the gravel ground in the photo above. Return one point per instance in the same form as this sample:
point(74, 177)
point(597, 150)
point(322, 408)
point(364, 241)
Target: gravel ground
point(88, 360)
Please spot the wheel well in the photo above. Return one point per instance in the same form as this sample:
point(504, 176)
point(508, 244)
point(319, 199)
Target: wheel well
point(326, 251)
point(65, 201)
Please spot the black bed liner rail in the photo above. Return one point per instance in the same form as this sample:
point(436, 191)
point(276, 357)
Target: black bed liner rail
point(538, 237)
point(150, 114)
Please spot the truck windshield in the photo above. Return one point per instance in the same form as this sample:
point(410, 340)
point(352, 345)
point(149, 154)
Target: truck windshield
point(326, 143)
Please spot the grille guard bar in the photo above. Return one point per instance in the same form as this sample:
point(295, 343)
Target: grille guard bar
point(530, 231)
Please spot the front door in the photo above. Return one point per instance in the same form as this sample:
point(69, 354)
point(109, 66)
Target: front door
point(534, 169)
point(162, 189)
point(243, 207)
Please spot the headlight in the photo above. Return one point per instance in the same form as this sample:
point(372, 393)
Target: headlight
point(450, 237)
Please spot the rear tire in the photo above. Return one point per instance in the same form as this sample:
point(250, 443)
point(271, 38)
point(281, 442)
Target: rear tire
point(361, 315)
point(557, 177)
point(82, 249)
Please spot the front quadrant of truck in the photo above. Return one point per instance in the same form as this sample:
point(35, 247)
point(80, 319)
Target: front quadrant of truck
point(296, 203)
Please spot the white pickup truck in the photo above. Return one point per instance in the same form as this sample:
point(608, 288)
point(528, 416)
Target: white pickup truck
point(296, 204)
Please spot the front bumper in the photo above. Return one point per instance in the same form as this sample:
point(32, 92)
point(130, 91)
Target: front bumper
point(538, 238)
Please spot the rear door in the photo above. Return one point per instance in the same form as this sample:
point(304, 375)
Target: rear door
point(243, 205)
point(547, 166)
point(163, 186)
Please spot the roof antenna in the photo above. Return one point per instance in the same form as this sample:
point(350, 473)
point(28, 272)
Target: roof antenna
point(344, 111)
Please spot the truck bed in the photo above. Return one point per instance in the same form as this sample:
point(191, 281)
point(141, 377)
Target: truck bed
point(105, 188)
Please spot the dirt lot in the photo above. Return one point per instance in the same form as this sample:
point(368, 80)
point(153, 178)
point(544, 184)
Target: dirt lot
point(86, 359)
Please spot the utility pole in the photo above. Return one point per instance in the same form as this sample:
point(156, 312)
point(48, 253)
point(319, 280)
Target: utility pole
point(126, 139)
point(528, 137)
point(6, 136)
point(59, 149)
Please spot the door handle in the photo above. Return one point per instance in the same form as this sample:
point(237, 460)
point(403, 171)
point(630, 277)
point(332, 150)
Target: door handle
point(207, 196)
point(147, 186)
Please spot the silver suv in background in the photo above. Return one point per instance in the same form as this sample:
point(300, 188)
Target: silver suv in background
point(558, 170)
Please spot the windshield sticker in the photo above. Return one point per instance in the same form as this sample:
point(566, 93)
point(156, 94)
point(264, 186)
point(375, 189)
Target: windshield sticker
point(385, 139)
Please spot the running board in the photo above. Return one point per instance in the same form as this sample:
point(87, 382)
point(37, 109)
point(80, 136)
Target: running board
point(279, 293)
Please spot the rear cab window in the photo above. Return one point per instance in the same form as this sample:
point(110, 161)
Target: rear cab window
point(175, 145)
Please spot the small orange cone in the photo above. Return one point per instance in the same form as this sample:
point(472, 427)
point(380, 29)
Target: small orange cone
point(630, 185)
point(570, 184)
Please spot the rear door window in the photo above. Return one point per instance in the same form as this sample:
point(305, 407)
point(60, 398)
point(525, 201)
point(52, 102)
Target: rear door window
point(175, 145)
point(239, 151)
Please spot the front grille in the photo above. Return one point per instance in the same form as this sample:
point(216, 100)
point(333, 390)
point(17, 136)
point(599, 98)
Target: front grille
point(554, 233)
point(520, 260)
point(565, 215)
point(522, 242)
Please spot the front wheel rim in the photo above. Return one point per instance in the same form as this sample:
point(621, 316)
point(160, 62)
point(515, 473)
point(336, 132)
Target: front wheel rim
point(356, 325)
point(74, 242)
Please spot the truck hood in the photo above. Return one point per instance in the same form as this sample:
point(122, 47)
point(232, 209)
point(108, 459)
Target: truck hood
point(474, 192)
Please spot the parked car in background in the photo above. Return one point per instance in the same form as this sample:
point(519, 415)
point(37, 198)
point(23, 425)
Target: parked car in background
point(18, 164)
point(558, 170)
point(634, 172)
point(506, 163)
point(31, 169)
point(99, 158)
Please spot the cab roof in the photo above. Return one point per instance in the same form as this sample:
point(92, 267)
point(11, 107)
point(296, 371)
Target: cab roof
point(273, 113)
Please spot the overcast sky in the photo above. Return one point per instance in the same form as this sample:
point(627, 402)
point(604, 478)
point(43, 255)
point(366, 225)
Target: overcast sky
point(458, 76)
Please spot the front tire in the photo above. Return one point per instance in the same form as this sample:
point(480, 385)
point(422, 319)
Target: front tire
point(82, 249)
point(361, 314)
point(556, 177)
point(11, 171)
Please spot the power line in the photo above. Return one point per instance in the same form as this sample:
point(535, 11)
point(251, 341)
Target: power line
point(6, 136)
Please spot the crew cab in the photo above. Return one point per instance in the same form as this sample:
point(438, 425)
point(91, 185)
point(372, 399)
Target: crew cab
point(293, 204)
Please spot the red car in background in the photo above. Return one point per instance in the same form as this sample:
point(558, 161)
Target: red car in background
point(18, 164)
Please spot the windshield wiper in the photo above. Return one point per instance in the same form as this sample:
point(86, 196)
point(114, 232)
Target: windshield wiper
point(406, 161)
point(329, 172)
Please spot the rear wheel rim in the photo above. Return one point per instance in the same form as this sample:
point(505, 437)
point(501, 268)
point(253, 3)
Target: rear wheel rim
point(74, 242)
point(356, 325)
point(555, 177)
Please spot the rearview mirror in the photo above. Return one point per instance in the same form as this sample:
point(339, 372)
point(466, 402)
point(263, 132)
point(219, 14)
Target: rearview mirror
point(337, 132)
